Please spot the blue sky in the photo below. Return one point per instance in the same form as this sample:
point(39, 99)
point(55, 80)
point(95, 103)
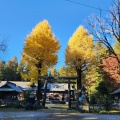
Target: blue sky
point(18, 17)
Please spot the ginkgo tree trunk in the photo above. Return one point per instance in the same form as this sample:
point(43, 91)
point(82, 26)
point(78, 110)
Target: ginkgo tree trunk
point(40, 49)
point(80, 52)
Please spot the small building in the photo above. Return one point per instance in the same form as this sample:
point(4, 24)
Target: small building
point(13, 89)
point(16, 88)
point(10, 91)
point(57, 88)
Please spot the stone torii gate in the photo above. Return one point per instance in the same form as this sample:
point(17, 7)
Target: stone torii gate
point(47, 78)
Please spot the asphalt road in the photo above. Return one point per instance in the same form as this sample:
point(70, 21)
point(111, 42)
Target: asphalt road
point(54, 114)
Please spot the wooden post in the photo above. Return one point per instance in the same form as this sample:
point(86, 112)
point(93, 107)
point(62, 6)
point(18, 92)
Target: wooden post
point(69, 93)
point(44, 98)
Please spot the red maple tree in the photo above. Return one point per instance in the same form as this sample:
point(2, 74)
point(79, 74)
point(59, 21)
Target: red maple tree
point(111, 70)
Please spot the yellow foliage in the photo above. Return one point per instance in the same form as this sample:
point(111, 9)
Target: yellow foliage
point(117, 47)
point(43, 28)
point(100, 51)
point(80, 49)
point(41, 46)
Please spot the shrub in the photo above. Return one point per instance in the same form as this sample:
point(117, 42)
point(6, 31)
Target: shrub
point(19, 104)
point(103, 112)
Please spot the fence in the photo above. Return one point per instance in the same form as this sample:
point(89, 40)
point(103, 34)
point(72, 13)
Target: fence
point(94, 107)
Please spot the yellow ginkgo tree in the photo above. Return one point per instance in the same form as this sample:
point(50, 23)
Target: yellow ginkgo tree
point(79, 52)
point(40, 48)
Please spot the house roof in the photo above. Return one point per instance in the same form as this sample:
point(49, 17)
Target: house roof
point(116, 91)
point(23, 85)
point(58, 86)
point(8, 86)
point(26, 86)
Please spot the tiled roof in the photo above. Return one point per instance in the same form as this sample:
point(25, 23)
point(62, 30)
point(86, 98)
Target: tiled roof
point(8, 86)
point(58, 86)
point(116, 91)
point(50, 86)
point(24, 85)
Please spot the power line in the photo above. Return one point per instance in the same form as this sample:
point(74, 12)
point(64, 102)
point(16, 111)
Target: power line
point(85, 5)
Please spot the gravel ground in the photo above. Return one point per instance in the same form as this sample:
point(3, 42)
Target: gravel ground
point(53, 114)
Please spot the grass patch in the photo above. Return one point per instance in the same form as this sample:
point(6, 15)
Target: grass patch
point(110, 112)
point(60, 106)
point(103, 112)
point(114, 112)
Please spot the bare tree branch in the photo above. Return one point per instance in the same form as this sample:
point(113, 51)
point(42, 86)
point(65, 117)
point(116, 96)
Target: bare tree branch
point(106, 29)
